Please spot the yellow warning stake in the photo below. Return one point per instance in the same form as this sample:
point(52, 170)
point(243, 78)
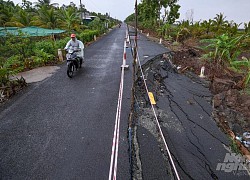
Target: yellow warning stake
point(151, 98)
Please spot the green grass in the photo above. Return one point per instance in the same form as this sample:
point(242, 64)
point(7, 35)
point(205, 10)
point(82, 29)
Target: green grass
point(234, 147)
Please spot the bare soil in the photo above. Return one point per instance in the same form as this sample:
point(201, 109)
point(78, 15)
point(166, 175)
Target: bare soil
point(231, 103)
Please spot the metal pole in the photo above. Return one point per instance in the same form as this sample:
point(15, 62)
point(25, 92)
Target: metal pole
point(81, 10)
point(133, 72)
point(136, 22)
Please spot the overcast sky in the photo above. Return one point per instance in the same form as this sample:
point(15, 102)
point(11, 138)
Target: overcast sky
point(237, 10)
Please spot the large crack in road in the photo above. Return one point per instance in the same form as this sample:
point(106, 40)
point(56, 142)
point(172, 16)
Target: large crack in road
point(184, 110)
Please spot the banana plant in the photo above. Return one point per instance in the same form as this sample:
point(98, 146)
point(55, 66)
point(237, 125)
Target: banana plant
point(247, 27)
point(164, 30)
point(243, 64)
point(224, 48)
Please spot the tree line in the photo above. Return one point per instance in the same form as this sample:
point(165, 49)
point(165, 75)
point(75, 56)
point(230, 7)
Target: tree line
point(223, 41)
point(22, 52)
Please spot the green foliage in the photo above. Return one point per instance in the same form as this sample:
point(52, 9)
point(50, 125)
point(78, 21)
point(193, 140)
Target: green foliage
point(224, 48)
point(207, 26)
point(182, 34)
point(9, 67)
point(97, 24)
point(42, 57)
point(22, 52)
point(45, 45)
point(88, 35)
point(232, 28)
point(219, 22)
point(69, 19)
point(234, 146)
point(20, 19)
point(47, 17)
point(44, 14)
point(18, 45)
point(173, 13)
point(149, 12)
point(4, 77)
point(130, 18)
point(247, 27)
point(243, 64)
point(7, 10)
point(13, 64)
point(60, 44)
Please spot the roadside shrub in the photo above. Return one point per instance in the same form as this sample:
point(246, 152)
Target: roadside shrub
point(19, 45)
point(196, 32)
point(46, 46)
point(13, 64)
point(4, 77)
point(88, 35)
point(9, 67)
point(42, 57)
point(182, 34)
point(60, 44)
point(97, 24)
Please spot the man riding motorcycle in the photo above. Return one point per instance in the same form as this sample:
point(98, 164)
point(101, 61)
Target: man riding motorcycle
point(76, 45)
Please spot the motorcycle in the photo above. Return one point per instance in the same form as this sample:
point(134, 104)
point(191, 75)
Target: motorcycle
point(73, 62)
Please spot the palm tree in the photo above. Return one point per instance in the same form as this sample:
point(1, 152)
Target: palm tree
point(207, 25)
point(47, 3)
point(47, 17)
point(69, 18)
point(219, 21)
point(7, 10)
point(21, 19)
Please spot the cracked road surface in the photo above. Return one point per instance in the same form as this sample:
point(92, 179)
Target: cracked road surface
point(184, 110)
point(62, 128)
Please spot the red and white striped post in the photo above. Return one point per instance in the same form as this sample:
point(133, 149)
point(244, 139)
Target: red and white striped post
point(124, 54)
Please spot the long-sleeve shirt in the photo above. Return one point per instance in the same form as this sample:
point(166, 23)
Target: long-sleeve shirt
point(76, 45)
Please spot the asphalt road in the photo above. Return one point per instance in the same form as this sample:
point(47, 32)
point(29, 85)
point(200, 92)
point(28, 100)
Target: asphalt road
point(62, 128)
point(184, 109)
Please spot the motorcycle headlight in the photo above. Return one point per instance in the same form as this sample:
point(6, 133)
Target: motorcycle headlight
point(71, 51)
point(68, 56)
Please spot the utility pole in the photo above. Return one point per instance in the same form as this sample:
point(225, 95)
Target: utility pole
point(136, 22)
point(81, 11)
point(133, 72)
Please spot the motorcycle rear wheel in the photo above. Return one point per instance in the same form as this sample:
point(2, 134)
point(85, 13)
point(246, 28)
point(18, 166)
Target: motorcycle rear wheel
point(70, 70)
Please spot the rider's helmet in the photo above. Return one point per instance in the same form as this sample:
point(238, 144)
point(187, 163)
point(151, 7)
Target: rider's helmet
point(72, 35)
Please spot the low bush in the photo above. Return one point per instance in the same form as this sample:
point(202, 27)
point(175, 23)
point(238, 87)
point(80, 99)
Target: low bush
point(47, 46)
point(88, 35)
